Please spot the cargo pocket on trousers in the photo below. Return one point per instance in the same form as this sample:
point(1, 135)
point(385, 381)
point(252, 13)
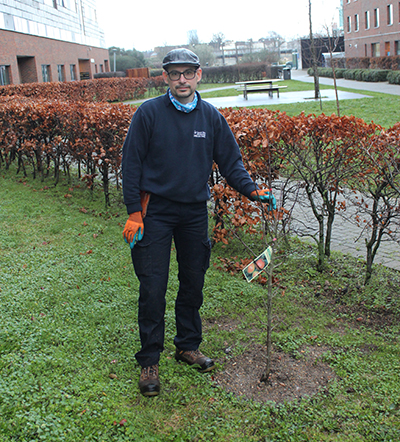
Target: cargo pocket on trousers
point(207, 245)
point(141, 257)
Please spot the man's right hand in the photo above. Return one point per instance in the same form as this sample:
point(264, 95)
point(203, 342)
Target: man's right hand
point(134, 229)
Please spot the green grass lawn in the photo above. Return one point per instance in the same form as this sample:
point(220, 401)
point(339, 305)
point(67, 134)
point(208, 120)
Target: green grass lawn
point(68, 335)
point(383, 109)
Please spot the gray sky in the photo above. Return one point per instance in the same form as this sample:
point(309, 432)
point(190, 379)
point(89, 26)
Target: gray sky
point(144, 25)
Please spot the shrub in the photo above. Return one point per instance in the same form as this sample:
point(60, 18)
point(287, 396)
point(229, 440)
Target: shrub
point(238, 72)
point(102, 89)
point(394, 77)
point(325, 72)
point(358, 63)
point(339, 72)
point(328, 72)
point(156, 72)
point(359, 74)
point(363, 74)
point(387, 62)
point(348, 74)
point(375, 75)
point(110, 74)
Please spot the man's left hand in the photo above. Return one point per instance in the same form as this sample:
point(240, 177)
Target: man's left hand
point(134, 229)
point(265, 196)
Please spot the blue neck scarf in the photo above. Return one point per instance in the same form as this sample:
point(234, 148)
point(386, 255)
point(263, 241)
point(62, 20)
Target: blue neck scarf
point(183, 107)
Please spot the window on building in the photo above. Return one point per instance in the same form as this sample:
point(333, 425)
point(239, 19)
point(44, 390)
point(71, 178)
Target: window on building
point(367, 23)
point(4, 75)
point(46, 77)
point(348, 24)
point(397, 47)
point(69, 4)
point(9, 22)
point(101, 68)
point(389, 14)
point(72, 70)
point(61, 72)
point(356, 22)
point(387, 48)
point(376, 17)
point(375, 50)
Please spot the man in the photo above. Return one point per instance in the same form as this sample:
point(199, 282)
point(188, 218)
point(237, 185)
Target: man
point(166, 163)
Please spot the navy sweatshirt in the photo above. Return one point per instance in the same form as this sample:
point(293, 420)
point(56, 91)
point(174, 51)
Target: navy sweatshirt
point(170, 153)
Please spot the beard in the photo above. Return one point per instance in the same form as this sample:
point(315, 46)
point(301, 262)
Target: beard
point(184, 92)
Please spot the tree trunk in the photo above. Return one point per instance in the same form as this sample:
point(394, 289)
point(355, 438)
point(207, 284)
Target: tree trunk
point(314, 61)
point(267, 371)
point(106, 182)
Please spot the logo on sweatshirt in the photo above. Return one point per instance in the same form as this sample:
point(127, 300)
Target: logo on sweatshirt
point(199, 134)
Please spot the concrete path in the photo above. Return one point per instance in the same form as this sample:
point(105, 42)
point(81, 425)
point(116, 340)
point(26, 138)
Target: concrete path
point(284, 98)
point(347, 237)
point(383, 87)
point(296, 97)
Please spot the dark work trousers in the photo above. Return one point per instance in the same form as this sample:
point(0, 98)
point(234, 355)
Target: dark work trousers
point(188, 225)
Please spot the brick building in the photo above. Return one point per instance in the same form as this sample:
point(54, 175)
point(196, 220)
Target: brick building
point(371, 27)
point(50, 40)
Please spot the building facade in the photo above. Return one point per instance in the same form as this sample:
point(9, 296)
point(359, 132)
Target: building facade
point(50, 40)
point(371, 27)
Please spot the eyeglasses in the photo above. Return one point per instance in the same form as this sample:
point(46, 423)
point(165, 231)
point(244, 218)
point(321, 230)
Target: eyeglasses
point(189, 74)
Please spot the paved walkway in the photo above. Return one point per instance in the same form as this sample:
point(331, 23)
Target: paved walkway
point(284, 98)
point(383, 87)
point(347, 237)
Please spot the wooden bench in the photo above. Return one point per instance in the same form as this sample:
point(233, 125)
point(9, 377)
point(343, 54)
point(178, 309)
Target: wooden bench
point(250, 88)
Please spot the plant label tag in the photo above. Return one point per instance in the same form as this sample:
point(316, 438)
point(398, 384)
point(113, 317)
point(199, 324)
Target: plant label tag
point(253, 269)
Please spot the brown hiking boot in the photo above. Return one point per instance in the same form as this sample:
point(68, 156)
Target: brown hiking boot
point(149, 382)
point(196, 358)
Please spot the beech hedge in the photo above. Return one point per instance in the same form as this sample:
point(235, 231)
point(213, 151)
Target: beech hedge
point(51, 135)
point(85, 138)
point(373, 75)
point(99, 90)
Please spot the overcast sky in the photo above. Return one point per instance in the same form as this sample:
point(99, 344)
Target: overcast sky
point(145, 24)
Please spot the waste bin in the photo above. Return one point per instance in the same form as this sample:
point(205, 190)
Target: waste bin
point(286, 74)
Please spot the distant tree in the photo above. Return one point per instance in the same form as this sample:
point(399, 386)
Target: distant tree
point(193, 38)
point(205, 53)
point(314, 58)
point(218, 41)
point(273, 41)
point(127, 59)
point(331, 44)
point(264, 56)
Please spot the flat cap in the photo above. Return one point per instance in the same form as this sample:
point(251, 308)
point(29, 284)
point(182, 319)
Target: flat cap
point(181, 56)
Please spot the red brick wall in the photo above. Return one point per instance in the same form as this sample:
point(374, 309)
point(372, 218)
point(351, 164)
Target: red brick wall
point(45, 51)
point(359, 43)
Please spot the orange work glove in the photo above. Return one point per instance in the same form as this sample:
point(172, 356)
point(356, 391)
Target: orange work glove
point(265, 196)
point(134, 229)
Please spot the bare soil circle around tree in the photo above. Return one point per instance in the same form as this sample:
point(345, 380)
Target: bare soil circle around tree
point(290, 378)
